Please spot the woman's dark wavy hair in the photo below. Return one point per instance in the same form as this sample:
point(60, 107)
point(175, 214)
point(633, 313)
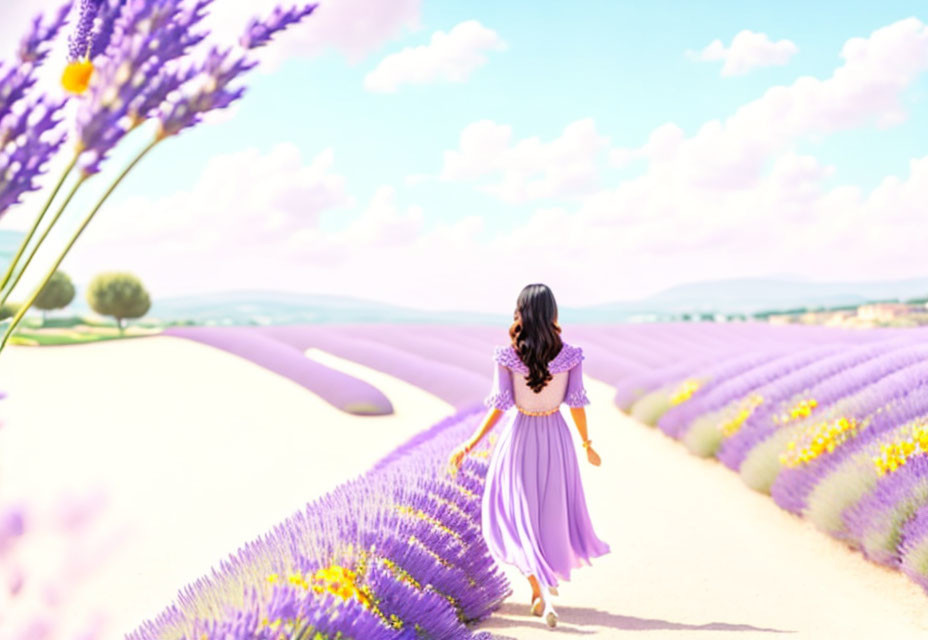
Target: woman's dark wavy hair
point(535, 333)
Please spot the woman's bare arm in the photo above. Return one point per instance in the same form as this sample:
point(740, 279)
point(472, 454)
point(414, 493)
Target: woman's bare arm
point(489, 422)
point(579, 415)
point(457, 456)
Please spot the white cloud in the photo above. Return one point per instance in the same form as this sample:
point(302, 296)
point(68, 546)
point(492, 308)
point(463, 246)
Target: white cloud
point(355, 28)
point(241, 207)
point(529, 169)
point(733, 153)
point(241, 197)
point(450, 57)
point(601, 251)
point(748, 50)
point(625, 242)
point(382, 224)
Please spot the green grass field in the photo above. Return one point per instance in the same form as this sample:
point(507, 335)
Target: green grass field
point(62, 331)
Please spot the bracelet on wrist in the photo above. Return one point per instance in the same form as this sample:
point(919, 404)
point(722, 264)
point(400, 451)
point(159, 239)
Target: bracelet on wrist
point(587, 443)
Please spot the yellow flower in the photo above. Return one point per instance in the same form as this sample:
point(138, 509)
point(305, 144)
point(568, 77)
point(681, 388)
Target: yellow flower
point(685, 391)
point(802, 409)
point(817, 439)
point(746, 408)
point(76, 76)
point(422, 515)
point(896, 454)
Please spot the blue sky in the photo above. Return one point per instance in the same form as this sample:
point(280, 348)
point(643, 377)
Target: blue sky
point(621, 63)
point(625, 66)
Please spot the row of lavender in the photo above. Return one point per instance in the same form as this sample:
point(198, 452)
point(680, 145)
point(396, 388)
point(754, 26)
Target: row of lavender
point(454, 363)
point(835, 431)
point(396, 553)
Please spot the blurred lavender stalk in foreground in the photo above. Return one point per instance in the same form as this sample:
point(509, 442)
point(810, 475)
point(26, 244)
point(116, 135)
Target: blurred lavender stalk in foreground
point(131, 62)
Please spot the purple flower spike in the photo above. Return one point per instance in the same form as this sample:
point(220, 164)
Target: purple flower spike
point(16, 80)
point(147, 37)
point(94, 28)
point(79, 42)
point(25, 149)
point(106, 19)
point(221, 68)
point(218, 72)
point(396, 553)
point(27, 139)
point(258, 33)
point(32, 49)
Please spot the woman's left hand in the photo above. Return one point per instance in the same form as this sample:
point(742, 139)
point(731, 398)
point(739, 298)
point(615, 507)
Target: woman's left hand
point(456, 458)
point(592, 456)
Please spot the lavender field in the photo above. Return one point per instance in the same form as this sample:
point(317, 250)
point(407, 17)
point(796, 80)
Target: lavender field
point(832, 423)
point(396, 553)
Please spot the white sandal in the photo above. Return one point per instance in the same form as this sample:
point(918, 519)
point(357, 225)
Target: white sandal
point(550, 615)
point(537, 606)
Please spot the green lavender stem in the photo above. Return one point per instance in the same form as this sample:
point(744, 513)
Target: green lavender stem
point(35, 249)
point(35, 226)
point(48, 276)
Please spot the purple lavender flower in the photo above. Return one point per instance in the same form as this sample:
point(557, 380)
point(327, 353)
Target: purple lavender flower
point(220, 69)
point(827, 382)
point(147, 36)
point(258, 33)
point(94, 28)
point(32, 48)
point(885, 404)
point(674, 421)
point(397, 553)
point(16, 80)
point(913, 547)
point(876, 522)
point(79, 44)
point(27, 143)
point(107, 14)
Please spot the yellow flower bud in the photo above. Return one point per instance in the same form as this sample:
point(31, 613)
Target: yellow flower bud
point(76, 76)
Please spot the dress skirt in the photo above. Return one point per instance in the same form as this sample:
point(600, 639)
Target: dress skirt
point(534, 512)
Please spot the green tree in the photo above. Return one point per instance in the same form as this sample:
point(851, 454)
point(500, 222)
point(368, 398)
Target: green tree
point(57, 293)
point(118, 294)
point(8, 310)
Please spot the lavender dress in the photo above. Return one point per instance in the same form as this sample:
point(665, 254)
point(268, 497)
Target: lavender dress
point(534, 512)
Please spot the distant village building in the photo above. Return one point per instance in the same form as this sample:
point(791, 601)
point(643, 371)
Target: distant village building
point(886, 311)
point(839, 318)
point(829, 318)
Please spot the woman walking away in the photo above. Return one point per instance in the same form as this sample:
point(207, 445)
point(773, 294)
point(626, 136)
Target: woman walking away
point(534, 511)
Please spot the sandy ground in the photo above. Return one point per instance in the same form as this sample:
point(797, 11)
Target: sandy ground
point(695, 553)
point(183, 451)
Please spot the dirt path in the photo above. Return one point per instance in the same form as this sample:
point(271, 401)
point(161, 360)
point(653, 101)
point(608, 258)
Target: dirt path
point(696, 554)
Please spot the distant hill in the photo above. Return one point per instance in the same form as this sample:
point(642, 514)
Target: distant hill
point(736, 296)
point(751, 295)
point(280, 307)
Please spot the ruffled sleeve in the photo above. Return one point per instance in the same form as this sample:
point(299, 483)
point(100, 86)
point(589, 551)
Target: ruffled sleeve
point(500, 396)
point(575, 396)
